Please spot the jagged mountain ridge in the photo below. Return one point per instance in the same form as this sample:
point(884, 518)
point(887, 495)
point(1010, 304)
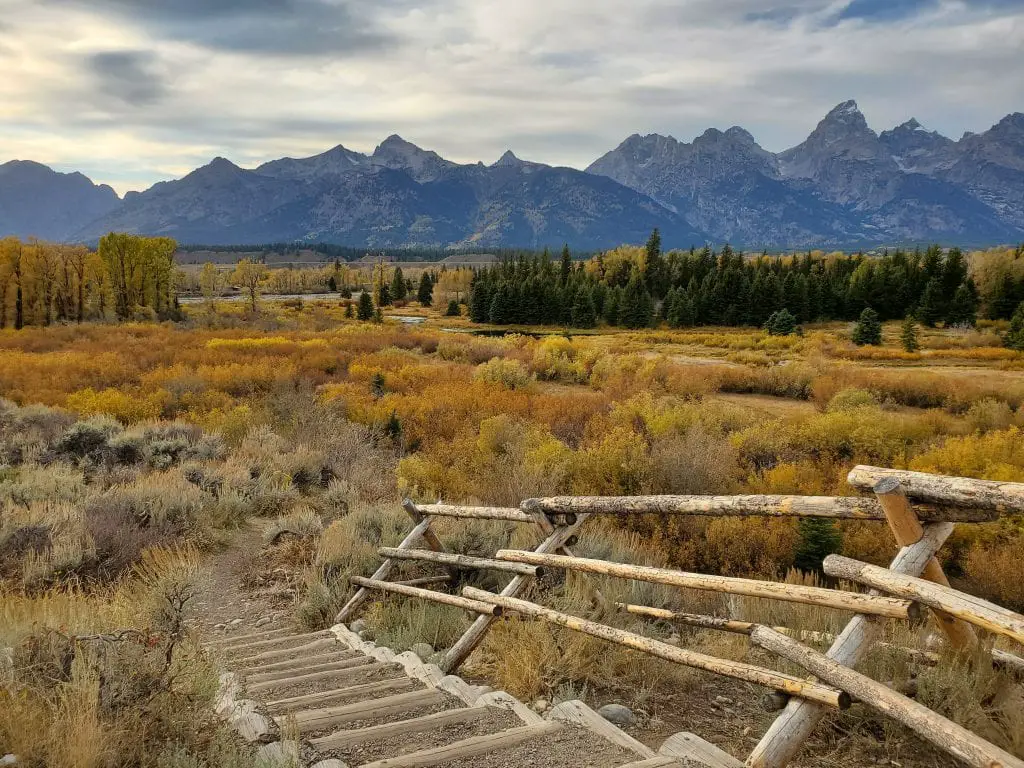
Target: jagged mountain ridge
point(844, 185)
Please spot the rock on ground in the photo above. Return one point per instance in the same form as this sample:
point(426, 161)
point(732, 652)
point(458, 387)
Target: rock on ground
point(617, 714)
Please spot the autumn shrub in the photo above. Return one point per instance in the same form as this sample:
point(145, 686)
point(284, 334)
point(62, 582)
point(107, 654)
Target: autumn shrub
point(996, 569)
point(989, 414)
point(510, 374)
point(125, 407)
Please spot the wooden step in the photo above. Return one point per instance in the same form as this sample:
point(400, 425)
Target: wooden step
point(229, 640)
point(331, 666)
point(344, 739)
point(317, 658)
point(694, 750)
point(277, 642)
point(363, 691)
point(288, 653)
point(579, 713)
point(319, 719)
point(655, 762)
point(472, 747)
point(367, 665)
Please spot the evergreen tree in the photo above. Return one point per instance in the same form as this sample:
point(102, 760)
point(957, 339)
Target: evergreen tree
point(908, 335)
point(781, 323)
point(868, 329)
point(584, 313)
point(819, 538)
point(1015, 335)
point(612, 303)
point(480, 303)
point(565, 266)
point(453, 309)
point(654, 268)
point(332, 284)
point(637, 305)
point(929, 308)
point(502, 310)
point(365, 309)
point(963, 309)
point(383, 295)
point(425, 291)
point(348, 310)
point(399, 290)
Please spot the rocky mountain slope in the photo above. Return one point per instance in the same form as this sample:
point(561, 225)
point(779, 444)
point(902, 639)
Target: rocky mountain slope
point(37, 201)
point(844, 186)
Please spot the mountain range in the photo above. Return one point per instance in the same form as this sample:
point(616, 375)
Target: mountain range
point(844, 186)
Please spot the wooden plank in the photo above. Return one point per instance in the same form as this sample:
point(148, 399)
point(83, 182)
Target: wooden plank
point(273, 643)
point(943, 733)
point(997, 497)
point(475, 513)
point(336, 677)
point(693, 749)
point(317, 658)
point(411, 541)
point(424, 581)
point(324, 644)
point(949, 601)
point(503, 700)
point(834, 507)
point(657, 761)
point(426, 594)
point(307, 669)
point(579, 713)
point(907, 530)
point(279, 680)
point(790, 730)
point(461, 561)
point(794, 593)
point(318, 719)
point(344, 739)
point(472, 747)
point(418, 517)
point(363, 691)
point(473, 636)
point(227, 641)
point(735, 669)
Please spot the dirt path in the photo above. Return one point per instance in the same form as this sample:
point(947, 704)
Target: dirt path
point(224, 603)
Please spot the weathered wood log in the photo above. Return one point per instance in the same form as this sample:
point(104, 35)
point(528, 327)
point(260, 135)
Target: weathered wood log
point(472, 637)
point(698, 620)
point(907, 530)
point(475, 513)
point(971, 609)
point(836, 507)
point(424, 581)
point(790, 730)
point(943, 733)
point(426, 594)
point(963, 492)
point(418, 517)
point(735, 669)
point(414, 538)
point(793, 593)
point(461, 561)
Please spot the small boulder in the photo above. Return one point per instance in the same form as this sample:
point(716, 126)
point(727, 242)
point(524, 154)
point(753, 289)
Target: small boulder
point(280, 754)
point(541, 706)
point(9, 759)
point(366, 634)
point(252, 725)
point(357, 626)
point(263, 622)
point(617, 714)
point(423, 650)
point(235, 622)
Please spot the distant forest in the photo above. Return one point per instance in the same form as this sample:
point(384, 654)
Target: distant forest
point(638, 287)
point(347, 253)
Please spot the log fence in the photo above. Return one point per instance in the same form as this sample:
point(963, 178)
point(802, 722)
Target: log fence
point(921, 510)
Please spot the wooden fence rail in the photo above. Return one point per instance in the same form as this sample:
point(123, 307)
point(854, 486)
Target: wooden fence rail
point(920, 509)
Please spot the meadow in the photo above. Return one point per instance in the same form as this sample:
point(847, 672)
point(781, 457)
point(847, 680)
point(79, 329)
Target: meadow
point(131, 452)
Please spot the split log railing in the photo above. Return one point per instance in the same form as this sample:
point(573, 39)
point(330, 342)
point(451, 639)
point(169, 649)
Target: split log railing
point(914, 578)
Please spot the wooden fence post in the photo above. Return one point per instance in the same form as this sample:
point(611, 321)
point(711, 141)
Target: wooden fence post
point(797, 721)
point(907, 530)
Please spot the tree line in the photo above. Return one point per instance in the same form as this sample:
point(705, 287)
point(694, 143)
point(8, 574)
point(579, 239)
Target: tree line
point(638, 287)
point(127, 277)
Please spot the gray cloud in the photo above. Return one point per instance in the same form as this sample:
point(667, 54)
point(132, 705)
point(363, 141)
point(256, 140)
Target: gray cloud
point(274, 27)
point(128, 76)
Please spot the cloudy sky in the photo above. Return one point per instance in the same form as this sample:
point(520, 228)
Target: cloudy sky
point(134, 91)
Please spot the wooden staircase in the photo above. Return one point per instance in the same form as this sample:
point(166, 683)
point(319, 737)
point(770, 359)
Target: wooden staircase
point(345, 701)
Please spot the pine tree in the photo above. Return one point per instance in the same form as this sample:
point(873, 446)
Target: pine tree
point(908, 335)
point(332, 284)
point(453, 309)
point(584, 313)
point(819, 538)
point(963, 309)
point(612, 304)
point(654, 268)
point(383, 295)
point(565, 267)
point(365, 309)
point(637, 305)
point(868, 329)
point(399, 290)
point(502, 310)
point(480, 303)
point(929, 308)
point(425, 291)
point(781, 323)
point(1015, 335)
point(348, 310)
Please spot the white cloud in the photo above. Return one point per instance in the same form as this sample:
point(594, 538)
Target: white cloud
point(556, 82)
